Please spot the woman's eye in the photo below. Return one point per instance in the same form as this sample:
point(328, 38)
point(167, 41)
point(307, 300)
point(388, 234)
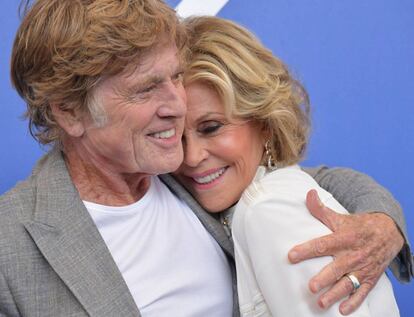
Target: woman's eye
point(210, 127)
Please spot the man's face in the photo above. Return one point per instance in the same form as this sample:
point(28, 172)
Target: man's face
point(145, 107)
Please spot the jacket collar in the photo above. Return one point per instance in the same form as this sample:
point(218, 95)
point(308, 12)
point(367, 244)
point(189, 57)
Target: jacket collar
point(66, 235)
point(213, 225)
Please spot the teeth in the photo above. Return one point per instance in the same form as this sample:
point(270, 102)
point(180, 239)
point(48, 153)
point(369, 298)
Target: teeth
point(164, 134)
point(209, 178)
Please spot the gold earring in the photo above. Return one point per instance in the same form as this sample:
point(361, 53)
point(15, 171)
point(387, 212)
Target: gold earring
point(271, 162)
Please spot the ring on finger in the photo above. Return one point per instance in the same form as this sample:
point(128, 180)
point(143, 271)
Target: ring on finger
point(354, 280)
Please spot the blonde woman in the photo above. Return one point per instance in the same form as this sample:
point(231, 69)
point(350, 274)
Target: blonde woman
point(246, 129)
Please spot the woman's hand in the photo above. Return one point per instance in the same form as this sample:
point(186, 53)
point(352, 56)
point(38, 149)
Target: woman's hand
point(362, 244)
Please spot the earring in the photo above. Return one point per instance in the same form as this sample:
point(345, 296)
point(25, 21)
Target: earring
point(271, 162)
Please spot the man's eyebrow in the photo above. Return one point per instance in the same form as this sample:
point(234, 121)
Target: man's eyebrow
point(159, 78)
point(130, 88)
point(147, 81)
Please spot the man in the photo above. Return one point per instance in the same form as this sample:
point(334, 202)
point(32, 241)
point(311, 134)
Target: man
point(93, 231)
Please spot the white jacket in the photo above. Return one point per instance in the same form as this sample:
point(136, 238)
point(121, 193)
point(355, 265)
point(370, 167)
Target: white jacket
point(270, 218)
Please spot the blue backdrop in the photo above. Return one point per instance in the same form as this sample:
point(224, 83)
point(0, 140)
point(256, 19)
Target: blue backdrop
point(355, 59)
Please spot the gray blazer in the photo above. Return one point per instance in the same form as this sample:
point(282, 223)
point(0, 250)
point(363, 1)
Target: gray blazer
point(53, 261)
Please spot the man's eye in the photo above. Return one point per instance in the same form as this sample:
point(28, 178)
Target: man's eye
point(209, 127)
point(178, 77)
point(146, 89)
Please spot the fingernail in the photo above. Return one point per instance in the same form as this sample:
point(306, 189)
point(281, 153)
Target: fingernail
point(322, 303)
point(319, 200)
point(293, 256)
point(314, 287)
point(345, 309)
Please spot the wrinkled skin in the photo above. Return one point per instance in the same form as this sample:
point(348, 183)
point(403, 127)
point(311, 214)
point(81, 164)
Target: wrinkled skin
point(361, 244)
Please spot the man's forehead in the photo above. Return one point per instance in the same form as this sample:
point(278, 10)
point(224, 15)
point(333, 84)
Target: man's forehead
point(154, 65)
point(160, 60)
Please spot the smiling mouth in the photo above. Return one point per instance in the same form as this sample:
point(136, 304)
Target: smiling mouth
point(163, 134)
point(209, 178)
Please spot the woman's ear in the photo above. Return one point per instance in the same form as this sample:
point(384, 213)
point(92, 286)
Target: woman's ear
point(266, 133)
point(68, 120)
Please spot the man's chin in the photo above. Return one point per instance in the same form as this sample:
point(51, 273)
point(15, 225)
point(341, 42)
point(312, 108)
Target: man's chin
point(169, 165)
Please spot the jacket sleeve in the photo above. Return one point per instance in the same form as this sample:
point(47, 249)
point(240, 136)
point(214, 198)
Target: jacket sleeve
point(359, 193)
point(8, 307)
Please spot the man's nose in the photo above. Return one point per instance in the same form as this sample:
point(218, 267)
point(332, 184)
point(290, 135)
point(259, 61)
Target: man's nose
point(174, 103)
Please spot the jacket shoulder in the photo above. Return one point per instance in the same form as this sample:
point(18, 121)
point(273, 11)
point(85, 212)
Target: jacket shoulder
point(16, 206)
point(20, 195)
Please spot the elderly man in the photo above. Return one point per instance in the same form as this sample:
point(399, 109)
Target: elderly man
point(93, 231)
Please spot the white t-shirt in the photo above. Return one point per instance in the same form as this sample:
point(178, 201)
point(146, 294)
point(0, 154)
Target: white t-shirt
point(171, 264)
point(271, 218)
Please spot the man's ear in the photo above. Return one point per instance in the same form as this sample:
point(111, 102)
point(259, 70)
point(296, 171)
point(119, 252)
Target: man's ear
point(68, 120)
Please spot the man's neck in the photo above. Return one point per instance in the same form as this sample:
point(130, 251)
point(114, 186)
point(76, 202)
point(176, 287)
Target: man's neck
point(99, 184)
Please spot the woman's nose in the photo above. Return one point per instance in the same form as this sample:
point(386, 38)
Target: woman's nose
point(195, 152)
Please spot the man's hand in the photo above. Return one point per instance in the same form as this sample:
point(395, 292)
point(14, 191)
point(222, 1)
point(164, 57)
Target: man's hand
point(363, 245)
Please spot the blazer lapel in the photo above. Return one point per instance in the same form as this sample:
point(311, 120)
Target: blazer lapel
point(213, 226)
point(69, 240)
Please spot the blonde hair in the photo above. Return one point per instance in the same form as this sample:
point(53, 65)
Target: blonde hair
point(64, 47)
point(252, 83)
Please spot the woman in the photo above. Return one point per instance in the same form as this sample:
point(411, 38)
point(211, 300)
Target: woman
point(246, 128)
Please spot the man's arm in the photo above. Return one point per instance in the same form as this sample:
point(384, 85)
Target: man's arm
point(358, 193)
point(363, 244)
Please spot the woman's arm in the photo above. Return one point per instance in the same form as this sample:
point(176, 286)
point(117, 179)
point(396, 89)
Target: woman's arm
point(266, 282)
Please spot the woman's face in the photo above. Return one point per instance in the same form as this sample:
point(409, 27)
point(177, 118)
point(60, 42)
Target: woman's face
point(220, 155)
